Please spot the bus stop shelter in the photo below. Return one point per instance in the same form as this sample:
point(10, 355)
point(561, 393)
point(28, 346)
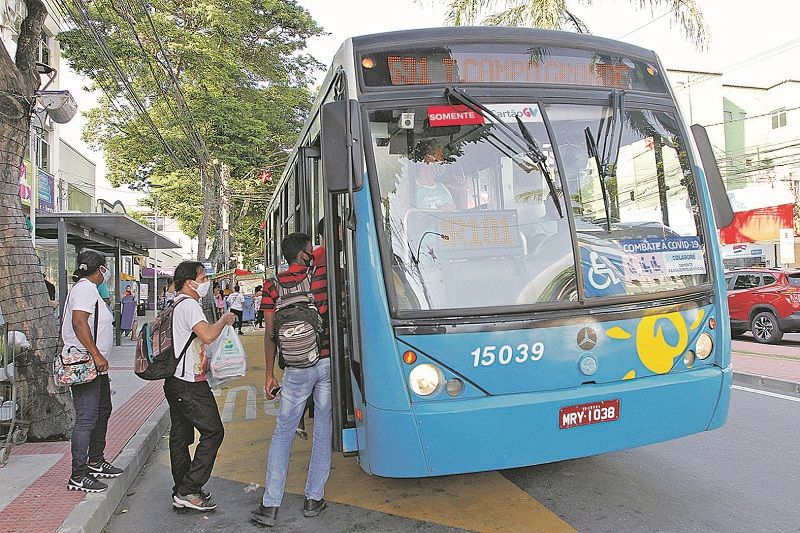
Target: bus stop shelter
point(112, 234)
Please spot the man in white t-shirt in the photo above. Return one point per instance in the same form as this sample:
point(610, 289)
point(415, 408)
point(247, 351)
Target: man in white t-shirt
point(191, 403)
point(236, 303)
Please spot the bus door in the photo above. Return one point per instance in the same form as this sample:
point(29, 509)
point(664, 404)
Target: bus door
point(345, 356)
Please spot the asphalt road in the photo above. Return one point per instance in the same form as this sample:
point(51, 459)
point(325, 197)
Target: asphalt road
point(743, 477)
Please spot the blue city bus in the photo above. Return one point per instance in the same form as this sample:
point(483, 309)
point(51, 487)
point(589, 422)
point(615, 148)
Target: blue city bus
point(522, 252)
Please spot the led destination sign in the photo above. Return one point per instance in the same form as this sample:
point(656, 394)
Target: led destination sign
point(508, 64)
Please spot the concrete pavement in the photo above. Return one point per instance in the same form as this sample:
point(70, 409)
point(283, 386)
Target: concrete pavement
point(34, 497)
point(773, 367)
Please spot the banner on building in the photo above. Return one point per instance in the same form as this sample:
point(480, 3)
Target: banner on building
point(46, 191)
point(762, 224)
point(787, 246)
point(25, 183)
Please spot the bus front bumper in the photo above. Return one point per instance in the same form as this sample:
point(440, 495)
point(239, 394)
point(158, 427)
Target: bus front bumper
point(515, 430)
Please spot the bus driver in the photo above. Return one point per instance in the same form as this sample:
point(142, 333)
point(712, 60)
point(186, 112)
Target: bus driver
point(431, 194)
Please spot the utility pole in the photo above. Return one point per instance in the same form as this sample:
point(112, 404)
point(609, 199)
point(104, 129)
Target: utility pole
point(225, 207)
point(155, 246)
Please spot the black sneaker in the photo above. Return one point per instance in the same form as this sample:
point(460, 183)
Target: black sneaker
point(86, 484)
point(264, 516)
point(193, 501)
point(104, 469)
point(313, 507)
point(206, 496)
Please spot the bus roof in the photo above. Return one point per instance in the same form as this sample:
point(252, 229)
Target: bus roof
point(498, 34)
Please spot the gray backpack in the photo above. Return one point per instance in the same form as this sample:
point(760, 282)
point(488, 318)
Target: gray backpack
point(298, 324)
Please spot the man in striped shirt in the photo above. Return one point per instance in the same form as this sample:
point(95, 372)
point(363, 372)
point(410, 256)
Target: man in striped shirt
point(298, 385)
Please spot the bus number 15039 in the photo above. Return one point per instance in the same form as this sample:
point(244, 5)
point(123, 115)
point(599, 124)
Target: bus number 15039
point(489, 355)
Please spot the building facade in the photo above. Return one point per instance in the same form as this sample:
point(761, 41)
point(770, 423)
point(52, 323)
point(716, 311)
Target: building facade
point(755, 131)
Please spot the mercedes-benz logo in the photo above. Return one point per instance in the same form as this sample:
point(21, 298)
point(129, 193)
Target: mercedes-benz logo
point(587, 339)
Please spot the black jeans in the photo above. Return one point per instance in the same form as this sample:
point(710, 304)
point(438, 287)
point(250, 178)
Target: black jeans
point(260, 318)
point(192, 405)
point(238, 314)
point(92, 410)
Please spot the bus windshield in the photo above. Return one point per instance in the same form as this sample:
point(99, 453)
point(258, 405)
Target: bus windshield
point(472, 221)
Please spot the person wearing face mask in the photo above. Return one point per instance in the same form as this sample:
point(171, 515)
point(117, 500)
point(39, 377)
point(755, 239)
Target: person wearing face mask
point(236, 305)
point(191, 402)
point(87, 326)
point(299, 384)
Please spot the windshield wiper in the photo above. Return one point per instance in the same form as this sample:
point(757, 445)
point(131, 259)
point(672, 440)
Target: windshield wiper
point(539, 158)
point(591, 146)
point(523, 139)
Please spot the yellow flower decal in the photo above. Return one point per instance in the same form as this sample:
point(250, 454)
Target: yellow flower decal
point(654, 351)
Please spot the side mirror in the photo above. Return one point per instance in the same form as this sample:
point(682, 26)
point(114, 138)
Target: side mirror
point(342, 150)
point(723, 212)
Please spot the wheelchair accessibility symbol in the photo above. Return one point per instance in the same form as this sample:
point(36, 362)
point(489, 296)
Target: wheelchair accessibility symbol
point(601, 276)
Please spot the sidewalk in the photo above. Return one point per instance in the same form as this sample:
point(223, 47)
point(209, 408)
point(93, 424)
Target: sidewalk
point(774, 367)
point(34, 497)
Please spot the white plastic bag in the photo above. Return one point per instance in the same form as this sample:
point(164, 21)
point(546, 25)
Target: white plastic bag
point(228, 358)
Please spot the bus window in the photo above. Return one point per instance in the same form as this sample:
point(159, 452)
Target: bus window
point(466, 215)
point(654, 242)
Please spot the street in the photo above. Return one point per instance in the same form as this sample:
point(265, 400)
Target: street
point(740, 478)
point(789, 346)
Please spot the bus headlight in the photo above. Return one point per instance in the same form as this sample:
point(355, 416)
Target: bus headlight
point(425, 379)
point(704, 346)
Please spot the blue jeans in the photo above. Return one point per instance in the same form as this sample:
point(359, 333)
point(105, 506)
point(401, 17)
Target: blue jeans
point(298, 384)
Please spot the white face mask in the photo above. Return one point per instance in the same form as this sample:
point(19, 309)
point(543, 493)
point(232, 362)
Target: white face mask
point(106, 276)
point(202, 288)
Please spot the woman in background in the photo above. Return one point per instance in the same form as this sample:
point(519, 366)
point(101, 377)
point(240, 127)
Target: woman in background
point(128, 311)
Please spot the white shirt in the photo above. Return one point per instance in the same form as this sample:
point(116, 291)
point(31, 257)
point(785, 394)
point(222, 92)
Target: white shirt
point(236, 301)
point(82, 297)
point(187, 314)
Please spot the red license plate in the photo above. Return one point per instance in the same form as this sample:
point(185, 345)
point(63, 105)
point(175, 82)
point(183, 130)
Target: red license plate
point(588, 413)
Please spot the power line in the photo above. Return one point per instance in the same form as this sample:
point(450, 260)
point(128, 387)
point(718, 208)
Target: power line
point(119, 76)
point(754, 116)
point(645, 24)
point(785, 47)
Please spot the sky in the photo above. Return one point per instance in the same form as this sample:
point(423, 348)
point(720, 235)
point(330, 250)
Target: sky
point(753, 43)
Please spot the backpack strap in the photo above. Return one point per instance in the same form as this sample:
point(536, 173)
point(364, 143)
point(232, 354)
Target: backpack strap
point(192, 337)
point(96, 318)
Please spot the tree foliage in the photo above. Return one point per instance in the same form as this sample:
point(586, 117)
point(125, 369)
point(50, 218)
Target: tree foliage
point(556, 15)
point(194, 85)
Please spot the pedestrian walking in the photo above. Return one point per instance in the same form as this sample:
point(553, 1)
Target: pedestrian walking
point(236, 305)
point(307, 373)
point(87, 326)
point(259, 317)
point(128, 311)
point(219, 299)
point(191, 402)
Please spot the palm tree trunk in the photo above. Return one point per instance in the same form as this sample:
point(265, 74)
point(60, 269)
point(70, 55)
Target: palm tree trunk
point(23, 294)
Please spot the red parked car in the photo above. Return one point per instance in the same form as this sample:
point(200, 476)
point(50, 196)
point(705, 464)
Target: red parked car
point(764, 301)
